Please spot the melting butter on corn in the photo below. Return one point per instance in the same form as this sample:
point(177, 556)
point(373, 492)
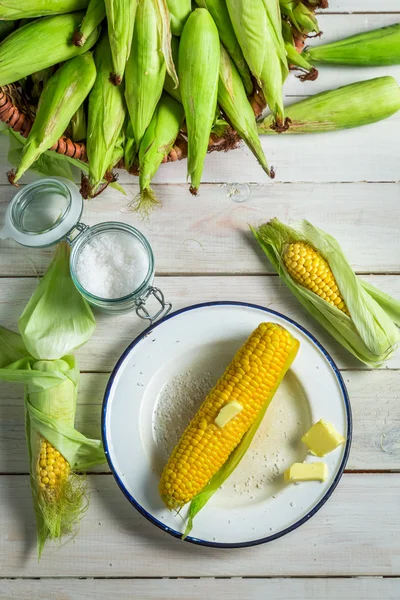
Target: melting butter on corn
point(317, 471)
point(322, 438)
point(227, 413)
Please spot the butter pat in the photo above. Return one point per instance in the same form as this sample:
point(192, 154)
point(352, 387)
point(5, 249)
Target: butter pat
point(322, 438)
point(317, 471)
point(227, 413)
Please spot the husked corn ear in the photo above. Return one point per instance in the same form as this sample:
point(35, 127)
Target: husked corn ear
point(251, 379)
point(53, 470)
point(30, 9)
point(145, 71)
point(378, 47)
point(199, 56)
point(219, 13)
point(310, 269)
point(349, 106)
point(40, 44)
point(121, 21)
point(62, 95)
point(179, 11)
point(94, 15)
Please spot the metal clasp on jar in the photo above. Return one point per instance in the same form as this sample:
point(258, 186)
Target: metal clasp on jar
point(142, 311)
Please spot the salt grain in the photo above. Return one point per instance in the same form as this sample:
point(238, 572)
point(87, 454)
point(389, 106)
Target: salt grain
point(112, 265)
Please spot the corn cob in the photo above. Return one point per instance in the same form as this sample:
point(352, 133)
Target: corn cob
point(106, 115)
point(78, 125)
point(373, 48)
point(301, 17)
point(219, 13)
point(199, 56)
point(239, 112)
point(179, 11)
point(349, 106)
point(94, 15)
point(40, 44)
point(251, 379)
point(155, 147)
point(121, 21)
point(258, 27)
point(145, 71)
point(306, 266)
point(30, 9)
point(6, 27)
point(169, 84)
point(60, 99)
point(295, 58)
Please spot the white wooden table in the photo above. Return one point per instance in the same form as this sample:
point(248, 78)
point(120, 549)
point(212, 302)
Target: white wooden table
point(347, 183)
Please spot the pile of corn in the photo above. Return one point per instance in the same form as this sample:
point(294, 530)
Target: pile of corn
point(134, 82)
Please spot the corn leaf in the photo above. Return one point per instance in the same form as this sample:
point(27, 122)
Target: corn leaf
point(12, 347)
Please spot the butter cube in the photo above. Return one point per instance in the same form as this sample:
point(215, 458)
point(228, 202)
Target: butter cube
point(227, 413)
point(317, 471)
point(322, 438)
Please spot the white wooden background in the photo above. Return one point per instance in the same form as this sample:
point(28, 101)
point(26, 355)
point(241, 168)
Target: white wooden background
point(347, 183)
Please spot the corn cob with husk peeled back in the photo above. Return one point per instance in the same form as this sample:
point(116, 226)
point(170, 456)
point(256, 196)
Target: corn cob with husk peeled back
point(40, 44)
point(199, 57)
point(301, 17)
point(251, 380)
point(55, 322)
point(375, 48)
point(349, 106)
point(312, 264)
point(219, 13)
point(179, 11)
point(156, 144)
point(95, 14)
point(295, 59)
point(258, 28)
point(121, 21)
point(234, 103)
point(106, 115)
point(61, 98)
point(31, 9)
point(145, 71)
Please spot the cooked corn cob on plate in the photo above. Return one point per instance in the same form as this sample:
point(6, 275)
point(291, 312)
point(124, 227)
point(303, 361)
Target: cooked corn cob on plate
point(188, 436)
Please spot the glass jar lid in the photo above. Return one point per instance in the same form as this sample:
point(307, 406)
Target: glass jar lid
point(43, 213)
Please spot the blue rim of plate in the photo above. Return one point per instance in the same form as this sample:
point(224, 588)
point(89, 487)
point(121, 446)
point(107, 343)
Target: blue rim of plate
point(198, 541)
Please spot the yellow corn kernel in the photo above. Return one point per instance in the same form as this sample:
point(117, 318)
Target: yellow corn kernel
point(53, 469)
point(306, 266)
point(210, 446)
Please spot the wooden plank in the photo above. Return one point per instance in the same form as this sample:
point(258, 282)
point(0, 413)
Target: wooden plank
point(361, 588)
point(366, 6)
point(356, 533)
point(374, 395)
point(115, 332)
point(211, 234)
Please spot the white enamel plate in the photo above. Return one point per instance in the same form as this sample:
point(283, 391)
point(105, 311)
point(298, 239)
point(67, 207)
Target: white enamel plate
point(155, 389)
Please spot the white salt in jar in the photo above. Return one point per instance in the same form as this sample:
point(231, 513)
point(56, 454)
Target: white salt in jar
point(112, 264)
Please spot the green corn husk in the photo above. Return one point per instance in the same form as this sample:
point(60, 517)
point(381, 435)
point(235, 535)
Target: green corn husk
point(129, 146)
point(294, 58)
point(157, 142)
point(145, 71)
point(121, 21)
point(219, 13)
point(78, 125)
point(40, 44)
point(118, 151)
point(55, 322)
point(349, 106)
point(239, 112)
point(169, 84)
point(106, 115)
point(62, 96)
point(258, 28)
point(6, 27)
point(31, 9)
point(378, 47)
point(39, 80)
point(371, 333)
point(301, 17)
point(179, 11)
point(199, 56)
point(94, 15)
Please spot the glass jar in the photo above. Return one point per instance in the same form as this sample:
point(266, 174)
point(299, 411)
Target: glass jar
point(49, 210)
